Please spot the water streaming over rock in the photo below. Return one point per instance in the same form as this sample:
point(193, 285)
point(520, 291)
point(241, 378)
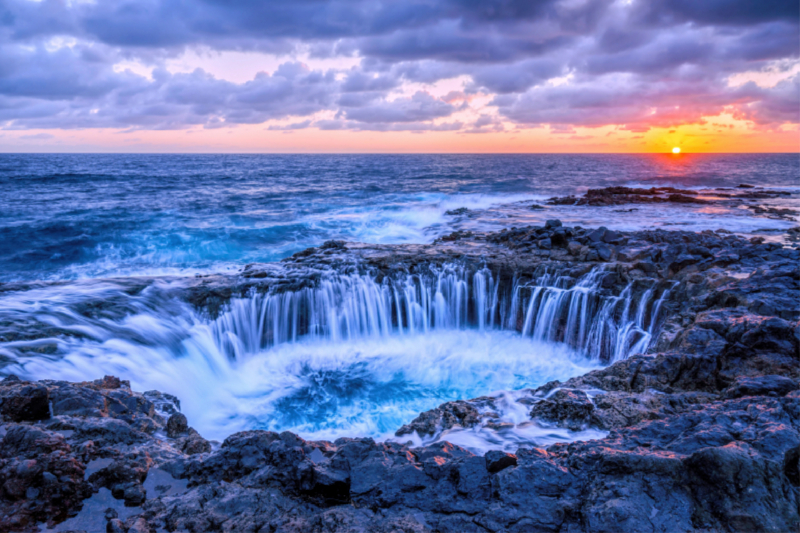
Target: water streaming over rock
point(580, 312)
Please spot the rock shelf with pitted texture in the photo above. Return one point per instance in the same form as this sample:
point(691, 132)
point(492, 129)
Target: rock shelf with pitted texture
point(703, 428)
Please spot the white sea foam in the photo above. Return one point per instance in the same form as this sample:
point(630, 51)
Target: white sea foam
point(319, 389)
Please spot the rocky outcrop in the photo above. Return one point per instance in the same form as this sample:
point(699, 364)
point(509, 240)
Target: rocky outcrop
point(654, 195)
point(628, 195)
point(710, 465)
point(444, 417)
point(86, 437)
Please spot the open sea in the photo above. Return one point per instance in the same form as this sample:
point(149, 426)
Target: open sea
point(89, 216)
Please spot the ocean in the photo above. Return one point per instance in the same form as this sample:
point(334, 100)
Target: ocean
point(89, 216)
point(78, 231)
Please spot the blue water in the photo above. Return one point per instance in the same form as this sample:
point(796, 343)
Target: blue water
point(86, 219)
point(87, 216)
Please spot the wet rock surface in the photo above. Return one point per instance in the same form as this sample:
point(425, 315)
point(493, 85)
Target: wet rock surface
point(739, 196)
point(628, 195)
point(713, 465)
point(444, 417)
point(703, 429)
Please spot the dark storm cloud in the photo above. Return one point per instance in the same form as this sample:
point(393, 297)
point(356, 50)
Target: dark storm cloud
point(516, 77)
point(646, 62)
point(719, 12)
point(61, 74)
point(163, 23)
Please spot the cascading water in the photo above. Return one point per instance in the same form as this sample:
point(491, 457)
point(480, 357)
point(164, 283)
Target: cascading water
point(603, 327)
point(553, 308)
point(350, 356)
point(348, 307)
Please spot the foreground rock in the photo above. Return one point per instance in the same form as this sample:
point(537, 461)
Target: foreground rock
point(714, 465)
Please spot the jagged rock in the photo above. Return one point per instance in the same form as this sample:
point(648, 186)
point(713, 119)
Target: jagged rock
point(497, 461)
point(612, 237)
point(40, 481)
point(625, 195)
point(570, 408)
point(598, 234)
point(194, 443)
point(604, 252)
point(166, 404)
point(614, 410)
point(443, 417)
point(761, 386)
point(704, 431)
point(20, 401)
point(124, 477)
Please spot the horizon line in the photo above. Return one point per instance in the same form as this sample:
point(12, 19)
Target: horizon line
point(682, 153)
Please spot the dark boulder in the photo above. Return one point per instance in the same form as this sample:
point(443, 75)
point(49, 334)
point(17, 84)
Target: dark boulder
point(40, 481)
point(124, 477)
point(598, 234)
point(552, 224)
point(24, 402)
point(604, 252)
point(177, 425)
point(761, 386)
point(497, 461)
point(612, 237)
point(736, 486)
point(194, 443)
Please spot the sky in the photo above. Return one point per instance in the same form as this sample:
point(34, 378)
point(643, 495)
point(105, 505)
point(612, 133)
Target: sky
point(399, 76)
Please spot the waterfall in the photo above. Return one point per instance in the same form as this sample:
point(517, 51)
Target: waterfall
point(601, 326)
point(550, 308)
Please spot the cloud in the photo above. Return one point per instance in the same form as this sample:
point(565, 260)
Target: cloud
point(291, 127)
point(486, 124)
point(169, 101)
point(565, 63)
point(640, 105)
point(417, 127)
point(718, 12)
point(418, 108)
point(780, 105)
point(38, 136)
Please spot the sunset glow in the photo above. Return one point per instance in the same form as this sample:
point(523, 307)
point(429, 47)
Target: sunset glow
point(374, 76)
point(676, 150)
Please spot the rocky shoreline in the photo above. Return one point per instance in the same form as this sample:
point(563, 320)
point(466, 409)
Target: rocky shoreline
point(744, 195)
point(703, 431)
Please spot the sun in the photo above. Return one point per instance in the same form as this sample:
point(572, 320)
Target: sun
point(676, 150)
